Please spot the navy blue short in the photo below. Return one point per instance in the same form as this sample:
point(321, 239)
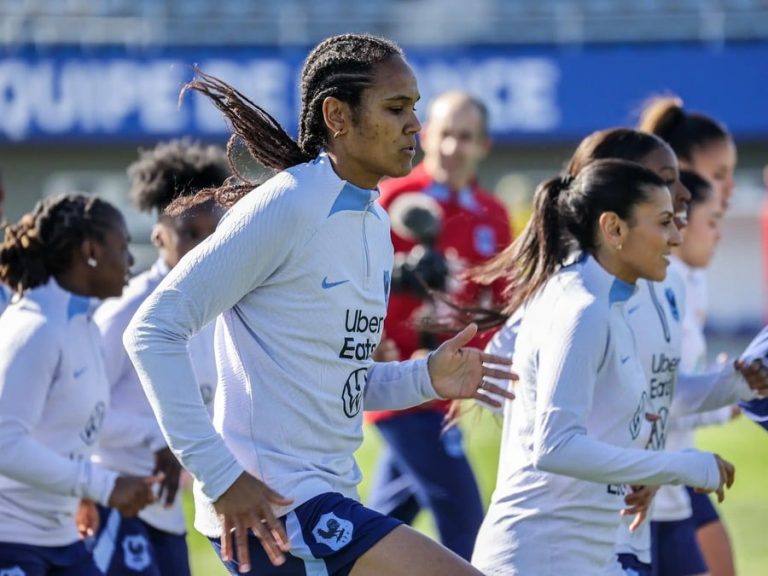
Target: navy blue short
point(130, 546)
point(27, 560)
point(632, 566)
point(704, 511)
point(674, 549)
point(327, 533)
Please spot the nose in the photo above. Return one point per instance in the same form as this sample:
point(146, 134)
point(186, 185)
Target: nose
point(449, 145)
point(676, 237)
point(413, 126)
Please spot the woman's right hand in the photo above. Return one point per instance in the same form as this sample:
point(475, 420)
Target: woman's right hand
point(132, 493)
point(247, 505)
point(727, 476)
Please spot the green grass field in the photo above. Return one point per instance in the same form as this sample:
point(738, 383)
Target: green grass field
point(745, 509)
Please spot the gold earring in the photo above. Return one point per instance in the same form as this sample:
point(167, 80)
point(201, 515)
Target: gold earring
point(338, 133)
point(619, 246)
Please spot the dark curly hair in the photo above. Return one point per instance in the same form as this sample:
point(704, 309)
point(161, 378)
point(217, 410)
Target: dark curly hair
point(175, 169)
point(42, 242)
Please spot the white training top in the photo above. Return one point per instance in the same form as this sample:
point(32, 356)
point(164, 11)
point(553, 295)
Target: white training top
point(656, 314)
point(575, 434)
point(131, 434)
point(53, 397)
point(299, 271)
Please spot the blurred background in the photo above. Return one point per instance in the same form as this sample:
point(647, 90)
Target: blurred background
point(85, 83)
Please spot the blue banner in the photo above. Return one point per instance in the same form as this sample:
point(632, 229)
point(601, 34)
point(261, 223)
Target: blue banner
point(533, 94)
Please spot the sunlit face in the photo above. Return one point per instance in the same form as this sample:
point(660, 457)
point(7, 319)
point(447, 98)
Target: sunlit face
point(114, 261)
point(663, 162)
point(716, 161)
point(650, 236)
point(703, 233)
point(382, 139)
point(174, 237)
point(454, 141)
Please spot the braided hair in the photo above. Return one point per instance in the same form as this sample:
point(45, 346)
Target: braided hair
point(340, 67)
point(41, 244)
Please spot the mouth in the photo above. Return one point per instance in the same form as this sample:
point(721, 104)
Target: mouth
point(409, 150)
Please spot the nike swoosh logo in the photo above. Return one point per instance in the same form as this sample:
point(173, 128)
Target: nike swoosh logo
point(327, 284)
point(633, 309)
point(80, 372)
point(624, 360)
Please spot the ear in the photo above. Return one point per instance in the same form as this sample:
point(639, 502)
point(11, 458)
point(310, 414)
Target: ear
point(336, 115)
point(90, 250)
point(612, 230)
point(157, 236)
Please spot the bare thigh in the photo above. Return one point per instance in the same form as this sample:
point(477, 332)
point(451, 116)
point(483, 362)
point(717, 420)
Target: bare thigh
point(716, 549)
point(404, 552)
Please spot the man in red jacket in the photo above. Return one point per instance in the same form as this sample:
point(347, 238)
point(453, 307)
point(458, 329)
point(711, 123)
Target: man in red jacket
point(442, 224)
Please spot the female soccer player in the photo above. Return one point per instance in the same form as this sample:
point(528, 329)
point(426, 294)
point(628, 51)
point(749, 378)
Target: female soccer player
point(298, 272)
point(59, 258)
point(704, 146)
point(576, 434)
point(154, 543)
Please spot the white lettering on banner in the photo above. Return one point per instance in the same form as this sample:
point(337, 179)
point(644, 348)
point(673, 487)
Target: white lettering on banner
point(89, 96)
point(266, 82)
point(521, 93)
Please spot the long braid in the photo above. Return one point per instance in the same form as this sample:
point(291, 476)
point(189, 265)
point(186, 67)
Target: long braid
point(42, 242)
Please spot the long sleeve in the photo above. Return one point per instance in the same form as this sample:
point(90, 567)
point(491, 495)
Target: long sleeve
point(709, 391)
point(251, 242)
point(569, 361)
point(27, 371)
point(122, 427)
point(398, 385)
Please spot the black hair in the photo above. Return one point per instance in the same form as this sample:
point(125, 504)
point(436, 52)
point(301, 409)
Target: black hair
point(342, 67)
point(565, 216)
point(701, 190)
point(684, 131)
point(172, 169)
point(613, 143)
point(617, 143)
point(41, 244)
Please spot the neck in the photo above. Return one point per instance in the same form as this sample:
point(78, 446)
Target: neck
point(74, 281)
point(611, 264)
point(343, 171)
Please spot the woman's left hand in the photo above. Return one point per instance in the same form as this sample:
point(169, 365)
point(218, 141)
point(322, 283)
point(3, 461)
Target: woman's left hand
point(87, 519)
point(755, 373)
point(459, 372)
point(639, 502)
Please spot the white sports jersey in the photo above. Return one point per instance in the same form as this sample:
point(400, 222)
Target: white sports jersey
point(575, 435)
point(299, 271)
point(53, 397)
point(656, 315)
point(131, 435)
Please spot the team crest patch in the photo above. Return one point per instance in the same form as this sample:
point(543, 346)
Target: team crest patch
point(670, 294)
point(90, 432)
point(136, 552)
point(333, 531)
point(485, 240)
point(352, 394)
point(13, 571)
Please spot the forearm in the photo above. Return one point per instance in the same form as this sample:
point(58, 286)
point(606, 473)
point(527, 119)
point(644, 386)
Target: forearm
point(26, 460)
point(398, 385)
